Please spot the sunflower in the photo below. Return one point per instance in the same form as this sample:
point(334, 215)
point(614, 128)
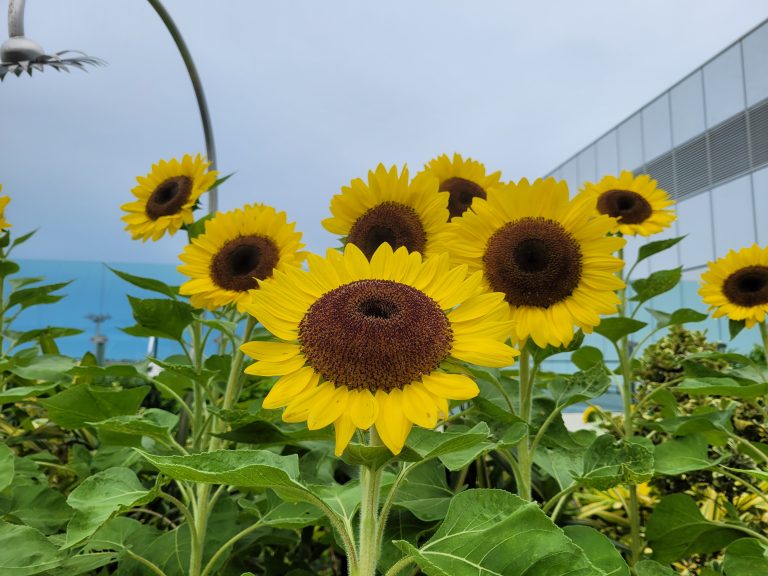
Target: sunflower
point(4, 224)
point(737, 285)
point(549, 255)
point(638, 205)
point(464, 180)
point(238, 249)
point(389, 209)
point(166, 197)
point(362, 342)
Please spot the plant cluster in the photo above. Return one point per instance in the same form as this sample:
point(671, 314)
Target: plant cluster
point(386, 408)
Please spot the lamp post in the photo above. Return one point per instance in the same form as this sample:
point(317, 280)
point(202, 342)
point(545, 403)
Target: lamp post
point(20, 54)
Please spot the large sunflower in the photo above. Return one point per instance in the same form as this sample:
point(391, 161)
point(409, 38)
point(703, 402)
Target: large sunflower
point(389, 209)
point(638, 205)
point(166, 196)
point(3, 203)
point(549, 255)
point(737, 285)
point(362, 342)
point(238, 249)
point(463, 179)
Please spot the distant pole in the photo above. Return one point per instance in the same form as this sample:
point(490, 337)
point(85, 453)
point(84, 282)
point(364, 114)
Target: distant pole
point(99, 339)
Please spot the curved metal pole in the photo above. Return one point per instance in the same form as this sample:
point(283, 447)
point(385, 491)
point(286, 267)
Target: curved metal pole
point(16, 18)
point(210, 146)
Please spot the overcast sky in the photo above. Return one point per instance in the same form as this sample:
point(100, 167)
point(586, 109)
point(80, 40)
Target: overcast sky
point(306, 95)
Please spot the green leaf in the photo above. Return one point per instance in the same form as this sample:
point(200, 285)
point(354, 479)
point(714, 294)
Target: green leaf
point(7, 466)
point(648, 250)
point(273, 512)
point(44, 294)
point(44, 367)
point(152, 423)
point(586, 357)
point(735, 327)
point(222, 179)
point(678, 317)
point(26, 551)
point(541, 354)
point(49, 332)
point(82, 564)
point(83, 403)
point(99, 497)
point(571, 389)
point(150, 284)
point(746, 557)
point(758, 474)
point(616, 328)
point(161, 318)
point(23, 238)
point(599, 549)
point(429, 444)
point(490, 532)
point(113, 371)
point(364, 455)
point(677, 529)
point(425, 493)
point(651, 568)
point(198, 226)
point(723, 386)
point(681, 455)
point(609, 462)
point(713, 424)
point(656, 284)
point(37, 506)
point(8, 267)
point(121, 533)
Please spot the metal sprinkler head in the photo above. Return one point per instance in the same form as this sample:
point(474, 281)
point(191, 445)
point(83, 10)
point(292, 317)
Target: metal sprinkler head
point(20, 54)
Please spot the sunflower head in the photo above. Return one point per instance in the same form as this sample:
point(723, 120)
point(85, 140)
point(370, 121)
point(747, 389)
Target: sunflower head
point(637, 204)
point(362, 343)
point(737, 285)
point(463, 179)
point(238, 250)
point(166, 197)
point(389, 208)
point(549, 256)
point(4, 200)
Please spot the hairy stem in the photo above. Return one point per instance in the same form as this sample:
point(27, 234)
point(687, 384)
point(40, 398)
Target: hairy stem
point(524, 453)
point(369, 546)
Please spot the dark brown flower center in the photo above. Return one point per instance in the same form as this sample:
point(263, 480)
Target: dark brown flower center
point(747, 286)
point(375, 334)
point(169, 197)
point(626, 206)
point(462, 192)
point(534, 261)
point(391, 222)
point(240, 262)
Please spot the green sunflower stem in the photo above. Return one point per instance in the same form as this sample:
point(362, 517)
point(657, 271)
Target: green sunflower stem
point(764, 333)
point(369, 545)
point(524, 454)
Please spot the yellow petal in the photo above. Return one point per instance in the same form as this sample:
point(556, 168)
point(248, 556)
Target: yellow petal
point(363, 408)
point(451, 386)
point(345, 429)
point(328, 409)
point(290, 386)
point(391, 424)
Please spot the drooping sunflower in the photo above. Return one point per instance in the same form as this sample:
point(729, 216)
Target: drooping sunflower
point(549, 255)
point(238, 249)
point(638, 205)
point(362, 342)
point(389, 209)
point(4, 224)
point(166, 196)
point(463, 179)
point(737, 285)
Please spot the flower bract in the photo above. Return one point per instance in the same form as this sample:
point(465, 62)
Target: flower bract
point(362, 343)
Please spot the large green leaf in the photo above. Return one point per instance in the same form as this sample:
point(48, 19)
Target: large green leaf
point(47, 332)
point(425, 493)
point(746, 557)
point(11, 395)
point(656, 284)
point(681, 316)
point(617, 328)
point(681, 455)
point(150, 284)
point(43, 367)
point(152, 423)
point(578, 387)
point(26, 551)
point(99, 497)
point(599, 549)
point(271, 511)
point(723, 386)
point(36, 505)
point(651, 568)
point(648, 250)
point(492, 533)
point(7, 466)
point(82, 403)
point(161, 318)
point(677, 529)
point(713, 424)
point(83, 564)
point(44, 294)
point(609, 462)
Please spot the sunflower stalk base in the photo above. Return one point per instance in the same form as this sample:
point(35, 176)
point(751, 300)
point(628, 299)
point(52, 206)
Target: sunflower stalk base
point(369, 545)
point(524, 454)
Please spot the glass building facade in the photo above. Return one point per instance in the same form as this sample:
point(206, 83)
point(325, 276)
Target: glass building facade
point(705, 140)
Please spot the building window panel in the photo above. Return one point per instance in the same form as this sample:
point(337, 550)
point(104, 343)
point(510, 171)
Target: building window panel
point(570, 173)
point(587, 162)
point(607, 155)
point(760, 194)
point(724, 86)
point(687, 109)
point(695, 221)
point(734, 223)
point(669, 258)
point(657, 133)
point(755, 47)
point(631, 144)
